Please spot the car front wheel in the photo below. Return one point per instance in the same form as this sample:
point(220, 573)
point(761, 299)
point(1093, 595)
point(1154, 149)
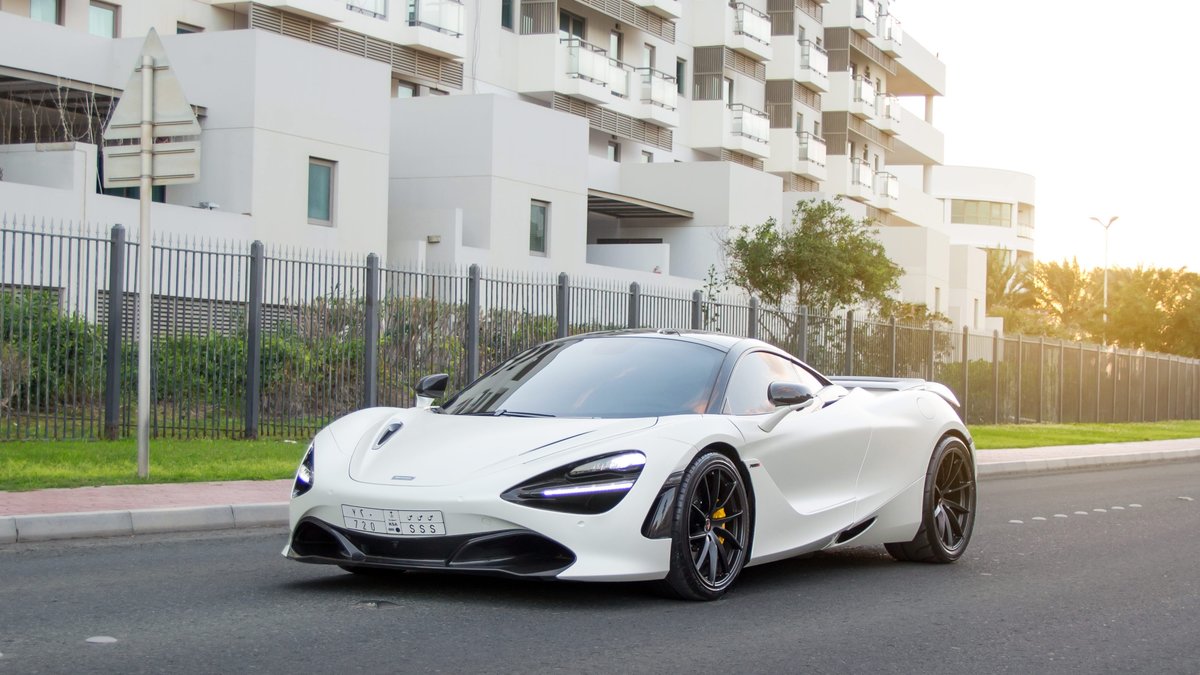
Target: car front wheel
point(710, 537)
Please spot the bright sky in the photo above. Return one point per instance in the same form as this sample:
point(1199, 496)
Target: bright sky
point(1094, 99)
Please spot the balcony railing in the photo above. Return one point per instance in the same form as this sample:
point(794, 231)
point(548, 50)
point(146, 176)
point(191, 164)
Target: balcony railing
point(373, 8)
point(864, 90)
point(887, 185)
point(813, 58)
point(892, 29)
point(444, 16)
point(749, 122)
point(869, 10)
point(751, 23)
point(812, 149)
point(888, 107)
point(861, 174)
point(586, 61)
point(659, 88)
point(619, 76)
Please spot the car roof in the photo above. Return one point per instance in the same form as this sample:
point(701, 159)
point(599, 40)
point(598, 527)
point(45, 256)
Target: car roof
point(713, 339)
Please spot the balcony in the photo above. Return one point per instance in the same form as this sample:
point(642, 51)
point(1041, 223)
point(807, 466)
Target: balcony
point(888, 118)
point(812, 66)
point(668, 9)
point(862, 181)
point(659, 97)
point(887, 192)
point(621, 78)
point(891, 35)
point(862, 98)
point(580, 69)
point(317, 10)
point(434, 26)
point(737, 127)
point(866, 18)
point(751, 32)
point(802, 154)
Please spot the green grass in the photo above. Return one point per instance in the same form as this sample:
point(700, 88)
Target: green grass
point(991, 437)
point(32, 465)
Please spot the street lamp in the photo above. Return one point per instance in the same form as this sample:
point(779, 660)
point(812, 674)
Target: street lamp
point(1104, 337)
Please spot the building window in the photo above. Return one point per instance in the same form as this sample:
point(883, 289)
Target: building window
point(182, 28)
point(506, 13)
point(46, 10)
point(727, 90)
point(614, 151)
point(402, 89)
point(937, 299)
point(616, 44)
point(680, 73)
point(647, 157)
point(375, 8)
point(976, 212)
point(539, 217)
point(102, 20)
point(321, 175)
point(649, 57)
point(975, 316)
point(570, 25)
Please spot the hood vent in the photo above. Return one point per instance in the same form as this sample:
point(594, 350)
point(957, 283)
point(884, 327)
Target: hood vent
point(388, 431)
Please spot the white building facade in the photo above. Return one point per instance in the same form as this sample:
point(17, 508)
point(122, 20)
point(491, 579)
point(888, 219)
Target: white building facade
point(618, 139)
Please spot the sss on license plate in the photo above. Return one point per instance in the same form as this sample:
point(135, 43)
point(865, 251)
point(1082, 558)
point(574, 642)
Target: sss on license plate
point(386, 521)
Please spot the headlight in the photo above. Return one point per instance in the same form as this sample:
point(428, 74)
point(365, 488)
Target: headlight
point(304, 474)
point(593, 486)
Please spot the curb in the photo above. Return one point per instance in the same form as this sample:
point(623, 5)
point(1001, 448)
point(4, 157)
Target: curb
point(57, 526)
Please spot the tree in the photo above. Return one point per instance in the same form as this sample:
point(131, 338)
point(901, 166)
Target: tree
point(824, 260)
point(1063, 292)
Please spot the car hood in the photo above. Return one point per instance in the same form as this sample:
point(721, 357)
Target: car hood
point(432, 449)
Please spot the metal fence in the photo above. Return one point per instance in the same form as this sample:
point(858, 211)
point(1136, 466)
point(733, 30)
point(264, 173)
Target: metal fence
point(249, 342)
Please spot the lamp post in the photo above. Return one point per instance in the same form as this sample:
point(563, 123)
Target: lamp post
point(1104, 337)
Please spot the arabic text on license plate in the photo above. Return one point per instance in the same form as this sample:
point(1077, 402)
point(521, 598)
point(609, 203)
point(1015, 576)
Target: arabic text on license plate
point(385, 521)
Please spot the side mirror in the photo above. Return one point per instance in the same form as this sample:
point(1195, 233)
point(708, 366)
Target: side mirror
point(431, 387)
point(789, 393)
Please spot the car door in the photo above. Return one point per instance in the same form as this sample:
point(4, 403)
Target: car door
point(811, 458)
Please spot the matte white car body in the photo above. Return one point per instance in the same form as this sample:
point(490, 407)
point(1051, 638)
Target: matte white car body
point(823, 473)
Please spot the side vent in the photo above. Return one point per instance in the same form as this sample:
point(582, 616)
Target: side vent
point(388, 431)
point(854, 531)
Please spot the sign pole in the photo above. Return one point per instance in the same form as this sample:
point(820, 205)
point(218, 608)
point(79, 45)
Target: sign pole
point(145, 262)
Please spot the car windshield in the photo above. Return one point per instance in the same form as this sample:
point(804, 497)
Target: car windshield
point(596, 377)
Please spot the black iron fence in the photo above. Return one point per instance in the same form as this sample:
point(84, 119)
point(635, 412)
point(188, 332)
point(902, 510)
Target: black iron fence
point(250, 342)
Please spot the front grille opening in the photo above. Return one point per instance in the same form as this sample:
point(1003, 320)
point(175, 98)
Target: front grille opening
point(517, 553)
point(313, 540)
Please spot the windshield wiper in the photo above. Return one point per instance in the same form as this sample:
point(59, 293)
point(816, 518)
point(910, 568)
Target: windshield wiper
point(504, 413)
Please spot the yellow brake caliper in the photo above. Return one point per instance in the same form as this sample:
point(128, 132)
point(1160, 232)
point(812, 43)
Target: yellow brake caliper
point(718, 514)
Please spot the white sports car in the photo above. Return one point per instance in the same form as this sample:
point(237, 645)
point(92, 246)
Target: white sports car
point(639, 455)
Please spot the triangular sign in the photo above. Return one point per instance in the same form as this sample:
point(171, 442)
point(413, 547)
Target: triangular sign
point(173, 116)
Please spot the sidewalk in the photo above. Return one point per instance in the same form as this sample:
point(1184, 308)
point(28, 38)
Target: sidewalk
point(125, 510)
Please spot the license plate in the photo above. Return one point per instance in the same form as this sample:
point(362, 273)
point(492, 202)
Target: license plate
point(401, 523)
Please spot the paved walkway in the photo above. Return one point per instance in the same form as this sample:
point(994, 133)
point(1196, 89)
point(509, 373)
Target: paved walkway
point(117, 510)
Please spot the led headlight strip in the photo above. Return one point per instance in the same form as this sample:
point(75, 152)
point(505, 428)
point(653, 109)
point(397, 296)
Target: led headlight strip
point(593, 486)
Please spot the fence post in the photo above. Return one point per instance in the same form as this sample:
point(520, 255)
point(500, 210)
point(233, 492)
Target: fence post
point(562, 306)
point(635, 305)
point(966, 365)
point(1099, 379)
point(1062, 377)
point(802, 350)
point(995, 377)
point(1079, 407)
point(254, 340)
point(932, 349)
point(116, 303)
point(849, 342)
point(1020, 374)
point(1041, 377)
point(472, 322)
point(1145, 382)
point(371, 334)
point(752, 331)
point(697, 320)
point(892, 341)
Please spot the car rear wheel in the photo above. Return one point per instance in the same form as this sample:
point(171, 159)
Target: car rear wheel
point(948, 508)
point(710, 537)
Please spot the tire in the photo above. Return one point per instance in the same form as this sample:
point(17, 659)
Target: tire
point(947, 508)
point(710, 535)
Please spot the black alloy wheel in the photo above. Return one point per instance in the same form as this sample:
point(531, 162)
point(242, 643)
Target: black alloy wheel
point(710, 539)
point(948, 513)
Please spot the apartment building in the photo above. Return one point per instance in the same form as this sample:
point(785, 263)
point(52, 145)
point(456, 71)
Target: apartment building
point(608, 138)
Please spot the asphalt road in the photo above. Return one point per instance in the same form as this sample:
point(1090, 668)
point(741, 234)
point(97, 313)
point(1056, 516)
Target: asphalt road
point(1111, 591)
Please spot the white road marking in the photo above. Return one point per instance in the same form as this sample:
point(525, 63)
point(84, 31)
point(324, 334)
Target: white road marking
point(1118, 508)
point(1060, 515)
point(1100, 510)
point(1038, 518)
point(1135, 506)
point(1081, 513)
point(1187, 499)
point(101, 640)
point(1017, 522)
